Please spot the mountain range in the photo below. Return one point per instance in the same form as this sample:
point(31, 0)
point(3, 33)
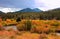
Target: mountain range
point(30, 10)
point(1, 12)
point(34, 10)
point(27, 13)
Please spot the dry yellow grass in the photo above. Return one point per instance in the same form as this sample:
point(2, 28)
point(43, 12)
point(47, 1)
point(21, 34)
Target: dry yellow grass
point(26, 35)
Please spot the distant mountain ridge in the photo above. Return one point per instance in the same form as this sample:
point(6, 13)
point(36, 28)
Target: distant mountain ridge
point(30, 10)
point(34, 10)
point(37, 10)
point(1, 12)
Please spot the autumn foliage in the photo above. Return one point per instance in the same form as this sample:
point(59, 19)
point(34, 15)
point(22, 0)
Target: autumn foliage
point(29, 29)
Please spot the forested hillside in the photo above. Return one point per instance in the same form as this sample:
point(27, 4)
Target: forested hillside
point(51, 14)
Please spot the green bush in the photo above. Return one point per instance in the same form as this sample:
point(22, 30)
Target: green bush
point(28, 25)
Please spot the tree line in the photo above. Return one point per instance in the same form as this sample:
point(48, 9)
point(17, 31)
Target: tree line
point(46, 15)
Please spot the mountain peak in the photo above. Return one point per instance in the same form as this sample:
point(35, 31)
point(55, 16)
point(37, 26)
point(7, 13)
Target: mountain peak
point(27, 8)
point(37, 10)
point(30, 10)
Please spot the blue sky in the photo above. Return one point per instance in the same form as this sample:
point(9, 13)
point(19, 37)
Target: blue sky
point(17, 3)
point(14, 5)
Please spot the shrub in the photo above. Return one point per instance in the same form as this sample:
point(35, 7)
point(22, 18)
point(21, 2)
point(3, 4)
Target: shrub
point(21, 27)
point(18, 19)
point(28, 25)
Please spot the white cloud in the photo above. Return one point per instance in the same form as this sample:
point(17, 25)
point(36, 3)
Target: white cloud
point(41, 4)
point(9, 9)
point(47, 4)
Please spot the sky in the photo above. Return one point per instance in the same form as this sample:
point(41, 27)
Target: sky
point(15, 5)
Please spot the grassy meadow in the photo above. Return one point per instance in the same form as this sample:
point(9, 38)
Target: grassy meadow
point(30, 29)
